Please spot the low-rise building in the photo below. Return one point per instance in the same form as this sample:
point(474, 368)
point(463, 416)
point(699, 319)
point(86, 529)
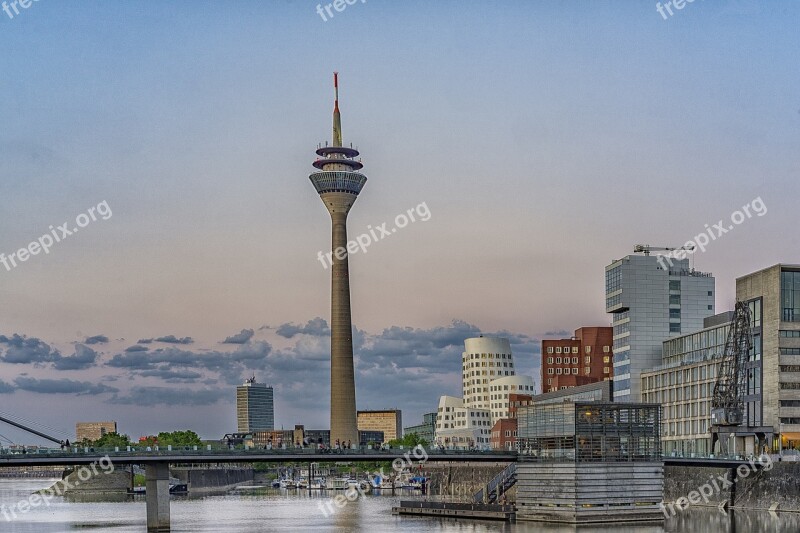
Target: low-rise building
point(462, 427)
point(387, 421)
point(426, 430)
point(93, 430)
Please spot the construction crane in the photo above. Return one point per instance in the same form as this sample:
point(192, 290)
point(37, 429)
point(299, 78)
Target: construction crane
point(646, 249)
point(727, 405)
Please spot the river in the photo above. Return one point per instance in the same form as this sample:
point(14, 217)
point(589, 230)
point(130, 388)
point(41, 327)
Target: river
point(267, 510)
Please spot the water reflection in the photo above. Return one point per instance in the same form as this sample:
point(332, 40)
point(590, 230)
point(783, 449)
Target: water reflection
point(274, 510)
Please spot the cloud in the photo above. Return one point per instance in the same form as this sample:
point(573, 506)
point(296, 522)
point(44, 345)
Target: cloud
point(136, 348)
point(232, 366)
point(172, 376)
point(144, 341)
point(27, 350)
point(559, 333)
point(5, 388)
point(172, 339)
point(62, 386)
point(316, 326)
point(84, 357)
point(148, 396)
point(97, 339)
point(240, 338)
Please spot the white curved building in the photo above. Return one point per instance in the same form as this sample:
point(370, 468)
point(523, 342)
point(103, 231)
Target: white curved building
point(500, 389)
point(484, 360)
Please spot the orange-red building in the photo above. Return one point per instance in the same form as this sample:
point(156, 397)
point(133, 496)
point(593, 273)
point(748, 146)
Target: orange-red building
point(504, 431)
point(580, 360)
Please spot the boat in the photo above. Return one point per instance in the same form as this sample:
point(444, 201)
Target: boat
point(302, 483)
point(287, 484)
point(318, 484)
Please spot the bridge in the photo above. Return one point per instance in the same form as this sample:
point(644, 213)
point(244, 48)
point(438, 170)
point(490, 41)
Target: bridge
point(157, 462)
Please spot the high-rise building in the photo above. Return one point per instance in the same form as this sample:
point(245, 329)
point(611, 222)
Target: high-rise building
point(389, 421)
point(651, 300)
point(338, 184)
point(582, 359)
point(254, 407)
point(488, 375)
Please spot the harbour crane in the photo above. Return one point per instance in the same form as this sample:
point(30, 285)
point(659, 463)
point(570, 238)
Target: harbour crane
point(646, 249)
point(727, 404)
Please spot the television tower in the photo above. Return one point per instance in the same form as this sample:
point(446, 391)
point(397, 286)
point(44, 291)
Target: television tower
point(338, 184)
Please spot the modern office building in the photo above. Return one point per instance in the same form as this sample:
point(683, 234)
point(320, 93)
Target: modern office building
point(92, 431)
point(684, 383)
point(773, 295)
point(254, 407)
point(426, 430)
point(338, 184)
point(387, 421)
point(582, 359)
point(651, 300)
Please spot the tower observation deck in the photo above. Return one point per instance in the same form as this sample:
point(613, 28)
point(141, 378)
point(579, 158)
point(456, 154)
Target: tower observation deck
point(338, 184)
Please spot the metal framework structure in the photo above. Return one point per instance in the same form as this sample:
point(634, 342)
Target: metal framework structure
point(590, 432)
point(727, 405)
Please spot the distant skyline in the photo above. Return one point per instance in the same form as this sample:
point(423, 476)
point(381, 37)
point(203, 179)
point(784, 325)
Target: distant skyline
point(546, 141)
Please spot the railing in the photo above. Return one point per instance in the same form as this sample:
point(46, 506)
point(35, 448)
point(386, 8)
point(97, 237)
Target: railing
point(502, 481)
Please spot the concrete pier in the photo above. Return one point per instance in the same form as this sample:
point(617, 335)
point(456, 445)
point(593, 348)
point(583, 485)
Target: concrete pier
point(157, 496)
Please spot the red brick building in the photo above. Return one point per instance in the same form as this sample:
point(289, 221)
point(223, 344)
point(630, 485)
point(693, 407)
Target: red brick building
point(580, 360)
point(504, 431)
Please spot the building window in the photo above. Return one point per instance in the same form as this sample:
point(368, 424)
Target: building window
point(675, 285)
point(674, 313)
point(549, 360)
point(588, 349)
point(574, 360)
point(558, 349)
point(606, 370)
point(606, 349)
point(574, 349)
point(558, 360)
point(675, 299)
point(675, 327)
point(558, 371)
point(549, 349)
point(587, 370)
point(587, 360)
point(606, 359)
point(575, 370)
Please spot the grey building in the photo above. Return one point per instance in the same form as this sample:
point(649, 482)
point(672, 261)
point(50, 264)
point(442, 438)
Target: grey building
point(650, 301)
point(773, 295)
point(254, 407)
point(426, 430)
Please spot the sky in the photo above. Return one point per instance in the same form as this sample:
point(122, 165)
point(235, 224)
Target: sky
point(543, 140)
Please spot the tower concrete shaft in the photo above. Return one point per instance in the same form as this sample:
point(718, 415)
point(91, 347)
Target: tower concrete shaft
point(338, 185)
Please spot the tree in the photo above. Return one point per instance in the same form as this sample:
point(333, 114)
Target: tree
point(111, 440)
point(408, 441)
point(179, 438)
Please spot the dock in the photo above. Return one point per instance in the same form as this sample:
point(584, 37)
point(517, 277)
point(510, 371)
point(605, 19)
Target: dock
point(483, 511)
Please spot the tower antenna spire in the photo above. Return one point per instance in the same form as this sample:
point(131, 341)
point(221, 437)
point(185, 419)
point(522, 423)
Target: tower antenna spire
point(337, 119)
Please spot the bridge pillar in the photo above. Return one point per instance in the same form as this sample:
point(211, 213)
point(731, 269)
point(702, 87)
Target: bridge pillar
point(157, 496)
